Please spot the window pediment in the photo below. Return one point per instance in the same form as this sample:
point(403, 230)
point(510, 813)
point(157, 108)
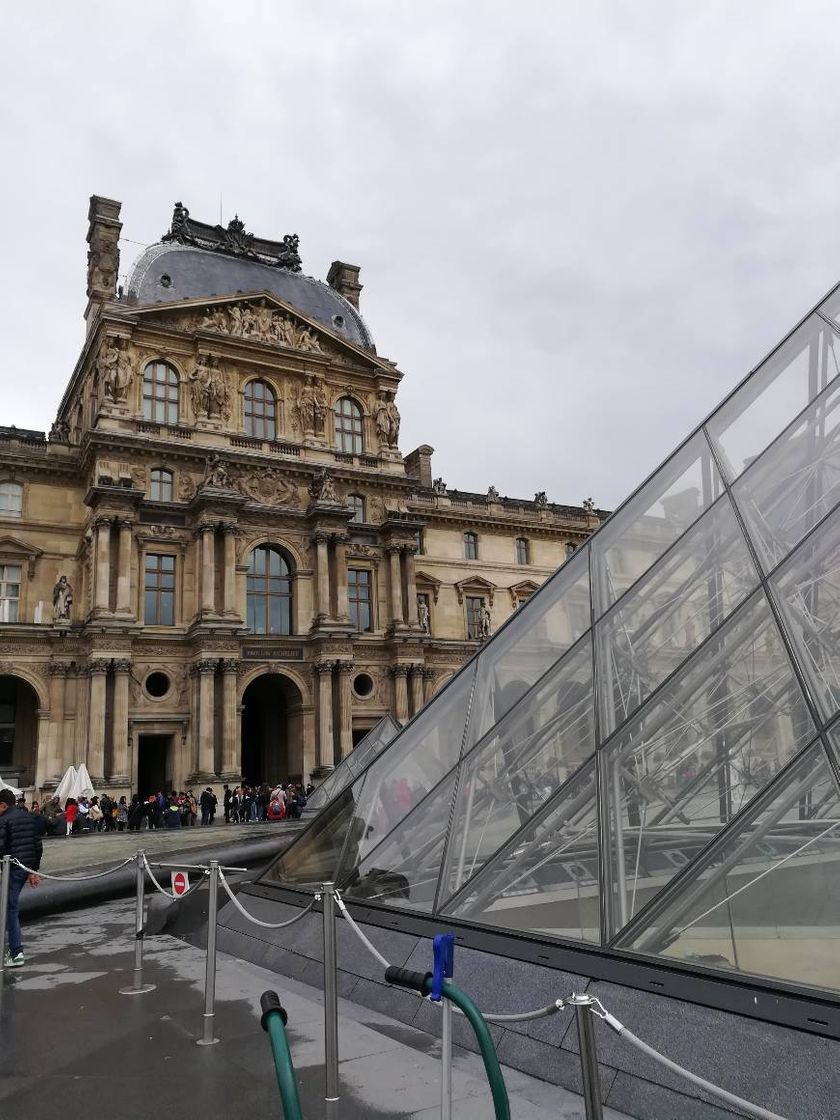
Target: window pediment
point(522, 590)
point(425, 582)
point(15, 548)
point(475, 585)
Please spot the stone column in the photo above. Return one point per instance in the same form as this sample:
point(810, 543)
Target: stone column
point(208, 569)
point(322, 608)
point(119, 733)
point(230, 605)
point(411, 587)
point(400, 673)
point(428, 684)
point(396, 586)
point(341, 541)
point(230, 739)
point(206, 755)
point(326, 750)
point(416, 676)
point(124, 570)
point(102, 577)
point(54, 765)
point(345, 707)
point(98, 670)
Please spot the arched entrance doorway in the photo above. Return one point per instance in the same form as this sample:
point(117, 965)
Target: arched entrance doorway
point(18, 731)
point(272, 730)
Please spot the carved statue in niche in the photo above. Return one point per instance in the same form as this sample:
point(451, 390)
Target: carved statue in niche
point(62, 598)
point(216, 474)
point(322, 488)
point(209, 389)
point(484, 623)
point(320, 407)
point(305, 406)
point(387, 420)
point(423, 613)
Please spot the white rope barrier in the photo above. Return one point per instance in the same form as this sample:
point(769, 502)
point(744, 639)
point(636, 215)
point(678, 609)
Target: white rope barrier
point(259, 921)
point(163, 890)
point(369, 944)
point(73, 878)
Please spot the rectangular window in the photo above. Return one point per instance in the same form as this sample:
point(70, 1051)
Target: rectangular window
point(11, 499)
point(357, 503)
point(9, 592)
point(521, 550)
point(420, 542)
point(470, 546)
point(359, 598)
point(159, 590)
point(475, 611)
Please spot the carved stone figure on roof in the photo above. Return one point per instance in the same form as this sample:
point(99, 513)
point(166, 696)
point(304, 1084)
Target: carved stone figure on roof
point(588, 505)
point(178, 230)
point(322, 488)
point(439, 486)
point(540, 499)
point(216, 474)
point(492, 494)
point(62, 598)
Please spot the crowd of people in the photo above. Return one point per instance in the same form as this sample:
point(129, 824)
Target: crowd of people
point(102, 813)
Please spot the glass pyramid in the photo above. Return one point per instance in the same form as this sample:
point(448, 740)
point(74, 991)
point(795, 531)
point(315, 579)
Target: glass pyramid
point(379, 736)
point(646, 758)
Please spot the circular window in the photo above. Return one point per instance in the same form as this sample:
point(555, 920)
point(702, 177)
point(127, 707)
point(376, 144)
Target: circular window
point(157, 684)
point(166, 280)
point(338, 320)
point(363, 684)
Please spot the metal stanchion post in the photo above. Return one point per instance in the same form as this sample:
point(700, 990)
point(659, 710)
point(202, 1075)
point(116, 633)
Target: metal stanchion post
point(331, 1095)
point(5, 881)
point(138, 987)
point(588, 1056)
point(208, 1038)
point(446, 1061)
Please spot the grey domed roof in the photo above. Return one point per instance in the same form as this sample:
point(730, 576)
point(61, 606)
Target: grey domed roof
point(170, 272)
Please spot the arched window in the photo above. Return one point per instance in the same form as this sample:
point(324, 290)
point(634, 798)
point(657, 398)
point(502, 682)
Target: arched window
point(11, 499)
point(470, 546)
point(160, 485)
point(260, 410)
point(160, 393)
point(357, 503)
point(349, 434)
point(269, 589)
point(521, 550)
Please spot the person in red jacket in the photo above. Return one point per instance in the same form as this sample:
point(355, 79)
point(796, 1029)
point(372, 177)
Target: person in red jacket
point(71, 808)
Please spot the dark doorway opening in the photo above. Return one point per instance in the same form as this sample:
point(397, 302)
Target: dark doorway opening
point(154, 769)
point(18, 731)
point(272, 730)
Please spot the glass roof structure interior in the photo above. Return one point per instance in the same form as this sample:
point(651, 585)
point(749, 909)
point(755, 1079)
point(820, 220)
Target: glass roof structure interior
point(644, 759)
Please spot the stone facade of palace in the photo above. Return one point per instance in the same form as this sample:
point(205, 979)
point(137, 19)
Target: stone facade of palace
point(219, 564)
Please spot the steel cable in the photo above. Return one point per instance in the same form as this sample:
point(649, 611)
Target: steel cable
point(73, 878)
point(259, 921)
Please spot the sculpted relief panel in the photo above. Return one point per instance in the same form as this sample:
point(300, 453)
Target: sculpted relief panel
point(256, 320)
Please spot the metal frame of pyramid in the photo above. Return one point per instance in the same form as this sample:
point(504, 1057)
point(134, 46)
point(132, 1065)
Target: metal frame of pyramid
point(645, 760)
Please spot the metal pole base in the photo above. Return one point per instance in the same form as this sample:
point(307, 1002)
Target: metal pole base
point(207, 1041)
point(141, 991)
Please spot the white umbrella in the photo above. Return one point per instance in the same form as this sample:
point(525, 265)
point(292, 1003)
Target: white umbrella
point(84, 784)
point(5, 785)
point(67, 785)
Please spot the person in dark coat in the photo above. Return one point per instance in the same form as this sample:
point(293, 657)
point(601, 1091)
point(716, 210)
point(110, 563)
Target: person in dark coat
point(18, 838)
point(208, 802)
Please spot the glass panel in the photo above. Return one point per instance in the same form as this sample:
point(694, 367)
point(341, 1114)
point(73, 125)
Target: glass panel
point(546, 879)
point(521, 763)
point(417, 761)
point(379, 736)
point(637, 535)
point(765, 901)
point(404, 868)
point(796, 482)
point(313, 857)
point(774, 395)
point(698, 753)
point(536, 637)
point(672, 609)
point(808, 593)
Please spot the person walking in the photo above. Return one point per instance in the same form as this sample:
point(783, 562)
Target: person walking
point(207, 802)
point(122, 815)
point(227, 800)
point(71, 809)
point(18, 838)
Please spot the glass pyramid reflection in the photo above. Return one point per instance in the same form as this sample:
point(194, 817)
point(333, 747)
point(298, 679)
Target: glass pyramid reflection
point(643, 758)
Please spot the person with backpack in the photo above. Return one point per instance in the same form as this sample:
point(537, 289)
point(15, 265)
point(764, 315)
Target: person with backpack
point(18, 838)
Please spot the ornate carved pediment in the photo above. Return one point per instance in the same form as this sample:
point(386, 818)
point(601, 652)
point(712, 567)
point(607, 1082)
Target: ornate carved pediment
point(475, 585)
point(269, 487)
point(522, 590)
point(256, 319)
point(425, 582)
point(16, 548)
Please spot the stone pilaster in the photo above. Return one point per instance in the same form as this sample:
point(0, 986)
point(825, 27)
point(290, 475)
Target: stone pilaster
point(119, 730)
point(396, 586)
point(341, 541)
point(54, 765)
point(207, 537)
point(428, 684)
point(345, 707)
point(326, 749)
point(124, 568)
point(411, 586)
point(400, 675)
point(416, 679)
point(98, 670)
point(206, 671)
point(230, 604)
point(322, 608)
point(102, 568)
point(230, 739)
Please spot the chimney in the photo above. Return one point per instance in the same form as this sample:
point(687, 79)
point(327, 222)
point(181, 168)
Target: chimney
point(418, 464)
point(103, 262)
point(345, 279)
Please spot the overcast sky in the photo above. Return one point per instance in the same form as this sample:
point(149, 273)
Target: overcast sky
point(579, 224)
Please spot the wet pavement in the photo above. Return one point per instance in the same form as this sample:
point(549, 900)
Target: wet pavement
point(70, 1045)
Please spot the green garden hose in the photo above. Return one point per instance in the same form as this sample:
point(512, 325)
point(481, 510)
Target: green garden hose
point(273, 1021)
point(422, 982)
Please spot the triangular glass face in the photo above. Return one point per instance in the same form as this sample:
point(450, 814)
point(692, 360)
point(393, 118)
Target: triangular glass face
point(313, 857)
point(379, 736)
point(404, 868)
point(697, 754)
point(416, 762)
point(535, 639)
point(766, 899)
point(546, 879)
point(670, 611)
point(525, 759)
point(808, 592)
point(795, 482)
